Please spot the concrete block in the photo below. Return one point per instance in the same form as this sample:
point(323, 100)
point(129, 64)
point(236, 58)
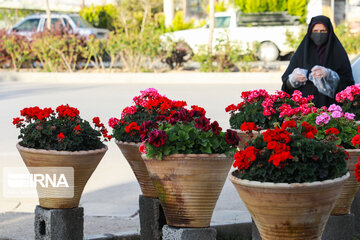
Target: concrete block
point(355, 209)
point(254, 231)
point(59, 224)
point(173, 233)
point(152, 218)
point(340, 227)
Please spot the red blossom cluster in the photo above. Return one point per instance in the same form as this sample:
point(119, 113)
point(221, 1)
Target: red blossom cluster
point(232, 138)
point(61, 137)
point(132, 128)
point(34, 113)
point(356, 139)
point(103, 130)
point(310, 131)
point(244, 158)
point(332, 130)
point(277, 140)
point(67, 111)
point(248, 127)
point(357, 170)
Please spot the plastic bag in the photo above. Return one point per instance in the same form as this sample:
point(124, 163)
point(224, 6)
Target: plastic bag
point(298, 77)
point(325, 80)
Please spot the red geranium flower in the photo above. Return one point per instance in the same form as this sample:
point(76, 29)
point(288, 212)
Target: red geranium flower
point(157, 138)
point(77, 128)
point(232, 138)
point(332, 131)
point(202, 123)
point(288, 124)
point(248, 126)
point(355, 140)
point(216, 129)
point(132, 127)
point(244, 158)
point(357, 170)
point(60, 137)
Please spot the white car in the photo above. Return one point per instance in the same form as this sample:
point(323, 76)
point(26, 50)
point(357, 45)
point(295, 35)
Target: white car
point(272, 38)
point(355, 65)
point(73, 22)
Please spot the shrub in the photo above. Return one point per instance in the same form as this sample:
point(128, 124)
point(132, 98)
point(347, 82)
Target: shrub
point(100, 16)
point(58, 49)
point(177, 53)
point(350, 41)
point(19, 49)
point(179, 22)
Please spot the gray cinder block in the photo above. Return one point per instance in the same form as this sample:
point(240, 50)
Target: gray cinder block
point(152, 218)
point(59, 224)
point(172, 233)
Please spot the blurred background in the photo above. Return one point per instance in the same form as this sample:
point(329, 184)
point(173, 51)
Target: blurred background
point(164, 35)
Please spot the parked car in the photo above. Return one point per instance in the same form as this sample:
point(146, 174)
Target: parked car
point(73, 22)
point(268, 29)
point(355, 65)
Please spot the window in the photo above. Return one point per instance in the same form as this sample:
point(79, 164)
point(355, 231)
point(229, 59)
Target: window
point(55, 22)
point(79, 22)
point(222, 22)
point(67, 24)
point(28, 25)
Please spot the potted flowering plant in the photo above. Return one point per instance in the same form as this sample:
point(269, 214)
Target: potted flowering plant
point(260, 110)
point(148, 107)
point(56, 139)
point(298, 177)
point(188, 159)
point(350, 100)
point(335, 125)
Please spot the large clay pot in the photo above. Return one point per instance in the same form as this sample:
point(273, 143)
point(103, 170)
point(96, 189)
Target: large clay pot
point(351, 186)
point(245, 137)
point(83, 164)
point(188, 186)
point(289, 211)
point(133, 156)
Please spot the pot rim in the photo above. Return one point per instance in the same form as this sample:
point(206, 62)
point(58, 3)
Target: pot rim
point(127, 143)
point(285, 185)
point(254, 131)
point(55, 152)
point(349, 150)
point(189, 155)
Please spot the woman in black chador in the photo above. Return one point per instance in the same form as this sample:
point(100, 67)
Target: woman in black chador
point(320, 65)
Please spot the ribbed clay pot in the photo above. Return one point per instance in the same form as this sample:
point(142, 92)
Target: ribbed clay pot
point(188, 186)
point(289, 211)
point(133, 156)
point(245, 137)
point(83, 163)
point(351, 186)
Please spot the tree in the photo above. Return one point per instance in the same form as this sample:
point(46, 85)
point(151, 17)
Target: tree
point(169, 12)
point(211, 24)
point(48, 15)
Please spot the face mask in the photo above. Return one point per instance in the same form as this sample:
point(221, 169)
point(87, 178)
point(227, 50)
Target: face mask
point(319, 38)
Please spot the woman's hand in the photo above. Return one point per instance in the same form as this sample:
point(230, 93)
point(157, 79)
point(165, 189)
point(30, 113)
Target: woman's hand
point(319, 72)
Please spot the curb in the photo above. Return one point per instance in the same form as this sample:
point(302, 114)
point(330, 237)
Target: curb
point(227, 231)
point(143, 78)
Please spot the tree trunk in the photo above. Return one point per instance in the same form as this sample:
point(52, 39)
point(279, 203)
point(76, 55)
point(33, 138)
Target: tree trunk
point(48, 15)
point(82, 4)
point(169, 12)
point(184, 4)
point(211, 24)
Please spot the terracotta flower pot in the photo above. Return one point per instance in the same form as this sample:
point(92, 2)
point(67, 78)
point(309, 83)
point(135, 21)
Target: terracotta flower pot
point(289, 211)
point(351, 186)
point(188, 186)
point(133, 156)
point(83, 163)
point(244, 137)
